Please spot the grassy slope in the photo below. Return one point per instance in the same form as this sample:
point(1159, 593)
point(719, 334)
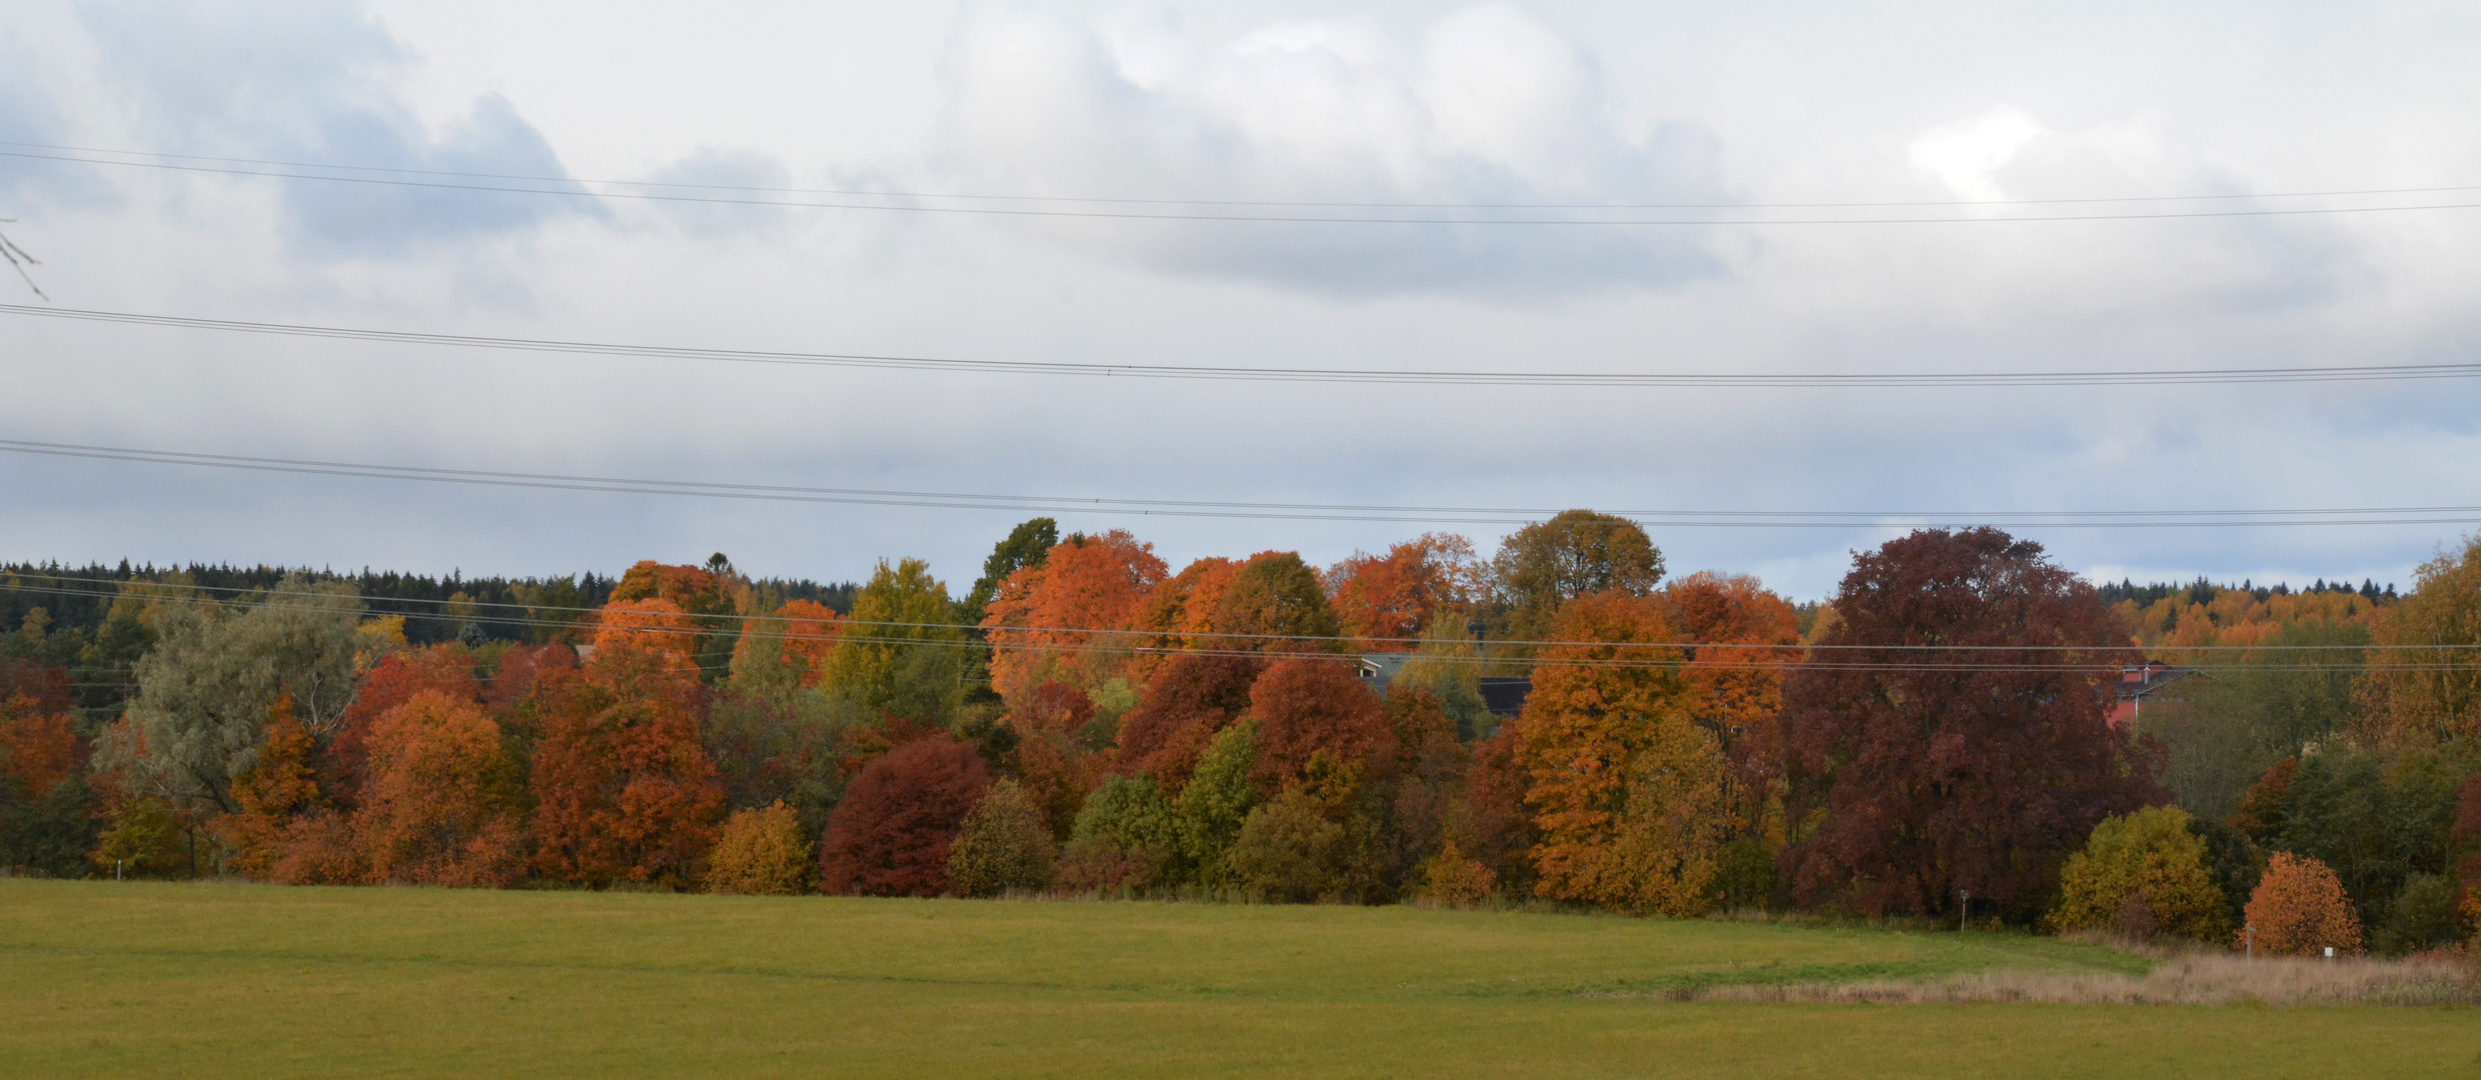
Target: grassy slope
point(102, 979)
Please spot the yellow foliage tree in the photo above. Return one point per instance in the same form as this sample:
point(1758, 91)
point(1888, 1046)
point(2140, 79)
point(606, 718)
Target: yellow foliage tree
point(2412, 693)
point(761, 853)
point(2142, 873)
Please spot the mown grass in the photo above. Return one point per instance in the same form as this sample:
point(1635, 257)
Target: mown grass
point(217, 980)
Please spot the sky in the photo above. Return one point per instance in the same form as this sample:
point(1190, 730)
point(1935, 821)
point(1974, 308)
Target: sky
point(1219, 110)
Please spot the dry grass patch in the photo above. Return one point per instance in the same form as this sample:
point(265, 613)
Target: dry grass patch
point(2189, 979)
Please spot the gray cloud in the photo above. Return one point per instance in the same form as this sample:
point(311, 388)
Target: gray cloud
point(315, 83)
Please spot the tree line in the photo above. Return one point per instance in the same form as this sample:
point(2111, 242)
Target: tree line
point(1932, 740)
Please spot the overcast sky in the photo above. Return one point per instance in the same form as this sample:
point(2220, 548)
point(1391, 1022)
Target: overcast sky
point(1594, 103)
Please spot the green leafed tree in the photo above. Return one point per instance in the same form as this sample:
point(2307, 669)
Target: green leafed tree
point(1004, 846)
point(1217, 800)
point(901, 652)
point(205, 691)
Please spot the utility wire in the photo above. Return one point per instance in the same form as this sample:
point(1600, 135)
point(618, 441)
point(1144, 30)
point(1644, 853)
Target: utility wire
point(1717, 519)
point(892, 194)
point(571, 190)
point(2126, 377)
point(245, 596)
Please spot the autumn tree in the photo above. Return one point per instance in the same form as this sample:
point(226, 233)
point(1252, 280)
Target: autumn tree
point(623, 789)
point(1447, 666)
point(1307, 708)
point(784, 650)
point(653, 625)
point(1004, 845)
point(892, 833)
point(2141, 874)
point(45, 826)
point(1185, 705)
point(442, 805)
point(1490, 820)
point(1386, 600)
point(1627, 790)
point(277, 788)
point(899, 653)
point(1050, 757)
point(392, 680)
point(2299, 909)
point(1295, 849)
point(1950, 734)
point(1276, 604)
point(1054, 621)
point(762, 852)
point(2413, 692)
point(709, 596)
point(1576, 553)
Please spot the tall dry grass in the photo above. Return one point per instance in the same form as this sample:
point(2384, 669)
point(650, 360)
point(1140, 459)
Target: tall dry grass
point(2181, 979)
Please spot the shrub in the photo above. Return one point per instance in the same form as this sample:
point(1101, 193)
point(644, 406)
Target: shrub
point(1004, 845)
point(1124, 841)
point(2422, 916)
point(2142, 873)
point(1291, 851)
point(761, 853)
point(142, 838)
point(1452, 880)
point(891, 834)
point(2299, 909)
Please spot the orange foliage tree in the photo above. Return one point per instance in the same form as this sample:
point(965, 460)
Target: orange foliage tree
point(1625, 787)
point(892, 832)
point(38, 746)
point(267, 799)
point(1387, 600)
point(623, 789)
point(1044, 624)
point(1735, 675)
point(396, 679)
point(440, 805)
point(805, 633)
point(2299, 909)
point(1310, 707)
point(654, 624)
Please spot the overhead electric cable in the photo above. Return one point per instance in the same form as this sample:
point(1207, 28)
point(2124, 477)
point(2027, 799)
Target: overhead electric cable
point(572, 189)
point(2428, 515)
point(1346, 204)
point(244, 596)
point(1439, 377)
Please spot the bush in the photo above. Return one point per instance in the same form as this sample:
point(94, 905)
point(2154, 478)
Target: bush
point(1124, 841)
point(761, 853)
point(892, 833)
point(1449, 879)
point(2299, 909)
point(1290, 851)
point(1004, 845)
point(2140, 874)
point(2422, 916)
point(1211, 810)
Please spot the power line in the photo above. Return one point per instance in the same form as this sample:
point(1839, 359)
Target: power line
point(1380, 205)
point(243, 596)
point(573, 191)
point(2171, 376)
point(1415, 515)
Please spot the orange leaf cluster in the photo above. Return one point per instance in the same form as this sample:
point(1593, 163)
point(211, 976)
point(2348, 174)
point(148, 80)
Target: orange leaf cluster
point(268, 798)
point(437, 808)
point(652, 624)
point(1393, 596)
point(37, 748)
point(1041, 624)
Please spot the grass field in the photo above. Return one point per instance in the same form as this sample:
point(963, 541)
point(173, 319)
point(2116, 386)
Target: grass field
point(103, 979)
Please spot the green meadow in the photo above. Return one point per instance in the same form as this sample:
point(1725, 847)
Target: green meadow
point(208, 980)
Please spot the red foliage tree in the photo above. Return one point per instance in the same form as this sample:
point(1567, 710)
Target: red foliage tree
point(1188, 701)
point(891, 833)
point(688, 588)
point(1307, 707)
point(47, 686)
point(623, 789)
point(1492, 822)
point(1977, 766)
point(1384, 599)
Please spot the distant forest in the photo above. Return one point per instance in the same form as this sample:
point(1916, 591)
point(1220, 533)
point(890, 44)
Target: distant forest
point(2202, 591)
point(436, 609)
